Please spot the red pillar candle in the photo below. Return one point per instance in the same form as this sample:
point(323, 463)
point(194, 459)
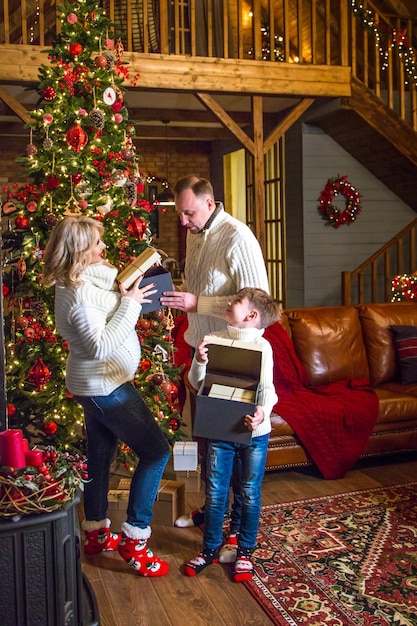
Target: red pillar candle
point(12, 453)
point(34, 458)
point(25, 445)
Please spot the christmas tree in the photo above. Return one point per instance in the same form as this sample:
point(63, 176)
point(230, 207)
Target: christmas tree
point(80, 159)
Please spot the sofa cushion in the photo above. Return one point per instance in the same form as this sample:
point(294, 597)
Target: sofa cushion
point(405, 339)
point(376, 320)
point(328, 341)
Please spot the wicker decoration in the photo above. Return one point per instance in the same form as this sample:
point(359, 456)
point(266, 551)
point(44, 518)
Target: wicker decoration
point(41, 489)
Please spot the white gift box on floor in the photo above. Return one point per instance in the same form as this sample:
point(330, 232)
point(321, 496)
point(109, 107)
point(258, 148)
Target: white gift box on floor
point(185, 456)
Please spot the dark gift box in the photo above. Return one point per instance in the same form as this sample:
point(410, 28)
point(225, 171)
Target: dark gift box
point(163, 280)
point(229, 390)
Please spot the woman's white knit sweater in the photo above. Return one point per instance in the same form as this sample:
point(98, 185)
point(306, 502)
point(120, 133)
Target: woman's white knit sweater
point(267, 396)
point(219, 261)
point(99, 325)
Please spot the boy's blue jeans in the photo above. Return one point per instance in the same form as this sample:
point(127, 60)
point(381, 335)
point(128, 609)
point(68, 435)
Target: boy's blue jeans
point(220, 457)
point(122, 415)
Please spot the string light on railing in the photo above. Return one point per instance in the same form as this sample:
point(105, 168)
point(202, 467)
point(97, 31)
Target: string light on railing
point(35, 23)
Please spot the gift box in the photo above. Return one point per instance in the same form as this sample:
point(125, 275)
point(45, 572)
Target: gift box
point(185, 455)
point(139, 266)
point(163, 282)
point(228, 391)
point(191, 479)
point(169, 503)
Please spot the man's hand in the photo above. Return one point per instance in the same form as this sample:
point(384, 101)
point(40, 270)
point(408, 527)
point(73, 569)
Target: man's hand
point(253, 421)
point(181, 300)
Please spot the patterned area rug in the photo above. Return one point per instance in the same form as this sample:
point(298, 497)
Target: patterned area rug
point(340, 560)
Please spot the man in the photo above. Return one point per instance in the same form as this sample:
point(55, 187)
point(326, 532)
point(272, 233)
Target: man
point(222, 256)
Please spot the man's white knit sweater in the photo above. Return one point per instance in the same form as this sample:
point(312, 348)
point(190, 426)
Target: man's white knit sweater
point(99, 325)
point(219, 261)
point(267, 397)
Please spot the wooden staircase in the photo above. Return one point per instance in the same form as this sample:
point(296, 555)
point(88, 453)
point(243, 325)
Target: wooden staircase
point(377, 137)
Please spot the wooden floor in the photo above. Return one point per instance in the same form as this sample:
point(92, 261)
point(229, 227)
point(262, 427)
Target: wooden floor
point(125, 599)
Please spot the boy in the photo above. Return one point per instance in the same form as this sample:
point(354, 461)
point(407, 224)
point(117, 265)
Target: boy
point(248, 313)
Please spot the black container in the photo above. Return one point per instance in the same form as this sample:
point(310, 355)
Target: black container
point(40, 570)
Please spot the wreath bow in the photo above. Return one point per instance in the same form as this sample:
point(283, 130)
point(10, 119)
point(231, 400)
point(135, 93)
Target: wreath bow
point(335, 217)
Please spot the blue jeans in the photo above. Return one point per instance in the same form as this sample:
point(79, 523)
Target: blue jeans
point(220, 459)
point(122, 415)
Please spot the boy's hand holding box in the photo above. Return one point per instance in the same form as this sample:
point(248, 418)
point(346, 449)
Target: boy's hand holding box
point(148, 264)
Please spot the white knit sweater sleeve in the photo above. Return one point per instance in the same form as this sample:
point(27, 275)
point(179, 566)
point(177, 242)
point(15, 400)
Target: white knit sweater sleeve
point(267, 397)
point(101, 337)
point(197, 373)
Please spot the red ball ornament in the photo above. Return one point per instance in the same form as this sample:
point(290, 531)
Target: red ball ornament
point(157, 379)
point(159, 315)
point(6, 290)
point(136, 226)
point(21, 322)
point(83, 204)
point(39, 374)
point(21, 222)
point(48, 93)
point(166, 387)
point(50, 428)
point(29, 333)
point(76, 178)
point(75, 49)
point(31, 206)
point(174, 423)
point(100, 61)
point(11, 410)
point(76, 137)
point(174, 391)
point(144, 324)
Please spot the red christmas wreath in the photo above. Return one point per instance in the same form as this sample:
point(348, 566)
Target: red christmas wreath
point(333, 216)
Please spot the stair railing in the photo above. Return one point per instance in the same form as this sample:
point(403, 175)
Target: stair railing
point(372, 280)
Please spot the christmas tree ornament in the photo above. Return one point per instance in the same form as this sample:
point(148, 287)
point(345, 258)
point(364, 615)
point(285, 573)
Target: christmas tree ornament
point(84, 189)
point(48, 118)
point(47, 143)
point(104, 204)
point(21, 222)
point(39, 374)
point(52, 181)
point(31, 206)
point(131, 130)
point(31, 150)
point(50, 220)
point(166, 387)
point(174, 423)
point(100, 61)
point(119, 178)
point(123, 244)
point(29, 332)
point(83, 204)
point(109, 44)
point(117, 106)
point(127, 153)
point(11, 410)
point(144, 323)
point(9, 207)
point(75, 49)
point(145, 365)
point(157, 379)
point(110, 60)
point(130, 192)
point(109, 96)
point(92, 17)
point(72, 18)
point(48, 93)
point(21, 322)
point(98, 117)
point(119, 49)
point(76, 137)
point(118, 118)
point(136, 226)
point(50, 428)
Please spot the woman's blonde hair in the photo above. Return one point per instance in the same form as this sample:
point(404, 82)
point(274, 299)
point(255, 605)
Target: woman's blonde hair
point(67, 252)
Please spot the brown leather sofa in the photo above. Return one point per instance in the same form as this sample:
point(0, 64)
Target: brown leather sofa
point(335, 343)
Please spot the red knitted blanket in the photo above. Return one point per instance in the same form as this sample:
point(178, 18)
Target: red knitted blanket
point(334, 421)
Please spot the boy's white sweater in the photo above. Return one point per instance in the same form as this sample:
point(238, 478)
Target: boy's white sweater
point(99, 325)
point(267, 396)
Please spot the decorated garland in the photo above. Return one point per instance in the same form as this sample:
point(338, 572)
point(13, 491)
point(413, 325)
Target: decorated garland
point(333, 216)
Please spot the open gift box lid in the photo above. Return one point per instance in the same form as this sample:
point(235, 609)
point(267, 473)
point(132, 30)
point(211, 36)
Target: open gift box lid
point(229, 390)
